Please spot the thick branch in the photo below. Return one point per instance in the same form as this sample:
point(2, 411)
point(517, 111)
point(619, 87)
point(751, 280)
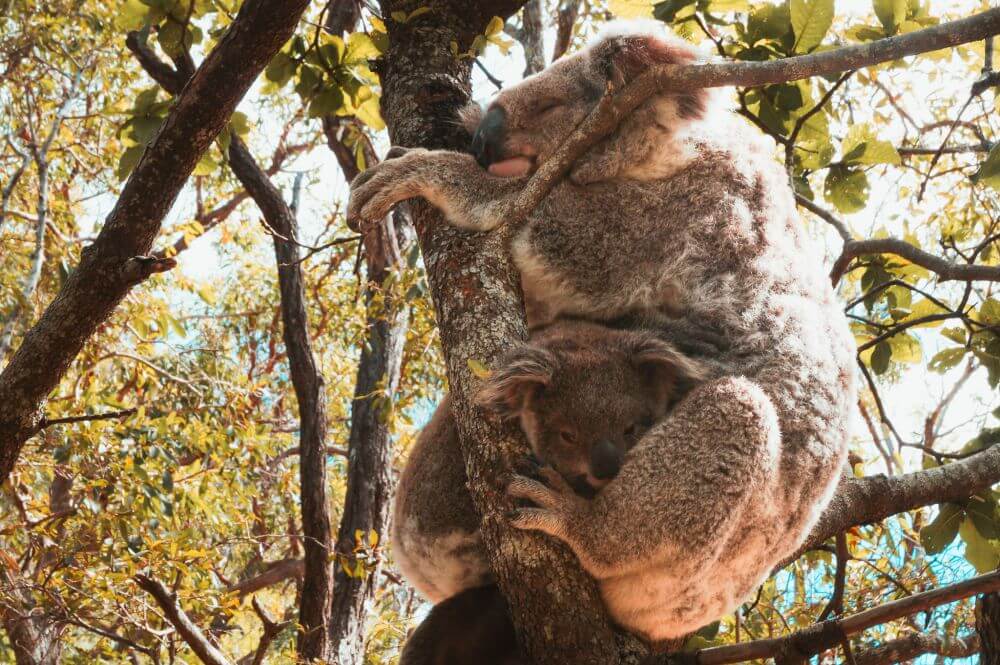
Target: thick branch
point(99, 283)
point(606, 116)
point(904, 649)
point(179, 619)
point(799, 646)
point(870, 499)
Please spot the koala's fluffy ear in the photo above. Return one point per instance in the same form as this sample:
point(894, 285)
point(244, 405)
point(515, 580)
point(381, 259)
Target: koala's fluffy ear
point(667, 368)
point(522, 372)
point(621, 58)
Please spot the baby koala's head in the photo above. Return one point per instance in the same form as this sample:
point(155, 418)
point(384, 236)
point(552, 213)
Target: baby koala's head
point(585, 394)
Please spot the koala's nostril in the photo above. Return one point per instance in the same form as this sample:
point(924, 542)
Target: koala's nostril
point(487, 142)
point(605, 460)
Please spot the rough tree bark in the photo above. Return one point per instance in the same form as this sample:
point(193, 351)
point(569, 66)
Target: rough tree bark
point(988, 628)
point(116, 261)
point(477, 297)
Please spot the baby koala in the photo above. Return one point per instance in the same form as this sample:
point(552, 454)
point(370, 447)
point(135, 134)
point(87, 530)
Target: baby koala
point(584, 394)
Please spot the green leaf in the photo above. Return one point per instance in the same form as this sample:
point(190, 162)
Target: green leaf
point(938, 534)
point(861, 146)
point(979, 551)
point(327, 102)
point(846, 188)
point(881, 356)
point(946, 359)
point(811, 19)
point(128, 161)
point(360, 48)
point(983, 513)
point(280, 69)
point(240, 124)
point(890, 13)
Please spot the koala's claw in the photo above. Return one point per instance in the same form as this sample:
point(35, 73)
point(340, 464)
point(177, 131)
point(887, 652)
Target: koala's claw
point(375, 191)
point(539, 494)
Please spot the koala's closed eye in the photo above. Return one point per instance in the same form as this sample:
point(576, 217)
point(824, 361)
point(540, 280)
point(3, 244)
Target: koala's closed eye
point(549, 105)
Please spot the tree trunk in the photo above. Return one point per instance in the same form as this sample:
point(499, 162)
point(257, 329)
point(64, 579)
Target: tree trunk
point(310, 391)
point(369, 476)
point(988, 627)
point(556, 609)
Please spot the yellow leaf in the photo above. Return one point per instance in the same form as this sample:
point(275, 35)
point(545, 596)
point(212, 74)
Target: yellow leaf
point(631, 8)
point(478, 369)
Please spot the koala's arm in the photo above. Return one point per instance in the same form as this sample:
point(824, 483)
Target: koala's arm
point(679, 494)
point(469, 197)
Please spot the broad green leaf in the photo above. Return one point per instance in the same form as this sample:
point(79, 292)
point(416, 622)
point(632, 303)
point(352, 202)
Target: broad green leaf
point(946, 359)
point(846, 188)
point(983, 513)
point(861, 146)
point(811, 19)
point(939, 533)
point(327, 102)
point(128, 161)
point(360, 48)
point(281, 68)
point(979, 551)
point(368, 113)
point(881, 355)
point(890, 13)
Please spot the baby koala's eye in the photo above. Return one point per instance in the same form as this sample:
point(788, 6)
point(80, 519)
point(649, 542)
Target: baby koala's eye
point(567, 436)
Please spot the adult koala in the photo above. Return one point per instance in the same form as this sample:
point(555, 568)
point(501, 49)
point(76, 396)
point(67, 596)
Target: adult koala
point(683, 221)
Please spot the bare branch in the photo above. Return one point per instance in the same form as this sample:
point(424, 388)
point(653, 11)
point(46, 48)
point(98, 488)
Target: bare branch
point(174, 613)
point(566, 19)
point(272, 629)
point(798, 647)
point(110, 415)
point(944, 269)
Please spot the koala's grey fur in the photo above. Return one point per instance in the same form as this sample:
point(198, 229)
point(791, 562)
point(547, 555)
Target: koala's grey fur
point(681, 219)
point(603, 387)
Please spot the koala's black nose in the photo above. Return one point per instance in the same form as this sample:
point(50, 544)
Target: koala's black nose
point(605, 460)
point(487, 142)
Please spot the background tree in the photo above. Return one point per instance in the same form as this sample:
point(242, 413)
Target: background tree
point(208, 478)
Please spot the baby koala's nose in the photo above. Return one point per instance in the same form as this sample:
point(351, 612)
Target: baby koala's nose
point(605, 460)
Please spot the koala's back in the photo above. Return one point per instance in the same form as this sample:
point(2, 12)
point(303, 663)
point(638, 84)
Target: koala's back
point(435, 529)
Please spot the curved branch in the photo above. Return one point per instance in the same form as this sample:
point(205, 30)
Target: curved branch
point(613, 107)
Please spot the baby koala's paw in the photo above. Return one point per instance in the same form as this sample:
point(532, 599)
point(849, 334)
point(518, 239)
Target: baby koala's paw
point(554, 502)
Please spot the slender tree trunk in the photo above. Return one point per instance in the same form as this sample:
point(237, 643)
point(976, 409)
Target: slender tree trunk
point(369, 476)
point(555, 607)
point(310, 391)
point(988, 627)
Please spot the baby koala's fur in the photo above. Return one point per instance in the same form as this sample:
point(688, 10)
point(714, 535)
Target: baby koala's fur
point(583, 393)
point(681, 220)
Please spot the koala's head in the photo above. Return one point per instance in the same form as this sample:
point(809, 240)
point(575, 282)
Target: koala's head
point(585, 394)
point(525, 123)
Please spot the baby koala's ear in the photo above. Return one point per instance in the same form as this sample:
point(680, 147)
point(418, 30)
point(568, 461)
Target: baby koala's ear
point(519, 375)
point(665, 367)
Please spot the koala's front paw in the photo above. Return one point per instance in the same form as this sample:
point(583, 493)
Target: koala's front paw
point(375, 191)
point(554, 499)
